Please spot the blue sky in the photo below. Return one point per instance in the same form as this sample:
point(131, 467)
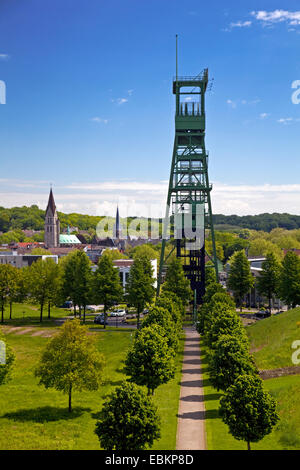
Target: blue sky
point(89, 105)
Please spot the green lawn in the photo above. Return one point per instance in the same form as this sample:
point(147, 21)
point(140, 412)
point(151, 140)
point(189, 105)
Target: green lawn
point(32, 417)
point(25, 314)
point(285, 436)
point(272, 338)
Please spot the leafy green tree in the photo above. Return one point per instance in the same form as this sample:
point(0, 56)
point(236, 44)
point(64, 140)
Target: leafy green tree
point(77, 278)
point(167, 301)
point(40, 251)
point(150, 361)
point(240, 279)
point(7, 360)
point(18, 289)
point(162, 317)
point(71, 361)
point(176, 282)
point(145, 250)
point(248, 410)
point(7, 285)
point(225, 321)
point(260, 247)
point(128, 420)
point(208, 310)
point(114, 254)
point(41, 280)
point(229, 359)
point(106, 284)
point(55, 296)
point(268, 280)
point(289, 280)
point(139, 288)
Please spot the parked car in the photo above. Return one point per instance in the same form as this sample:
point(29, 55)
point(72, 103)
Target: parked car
point(121, 312)
point(99, 320)
point(92, 308)
point(67, 304)
point(263, 314)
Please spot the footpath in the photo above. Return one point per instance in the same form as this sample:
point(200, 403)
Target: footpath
point(191, 414)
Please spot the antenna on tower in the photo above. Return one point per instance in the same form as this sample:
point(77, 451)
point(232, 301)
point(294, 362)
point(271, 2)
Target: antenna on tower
point(176, 57)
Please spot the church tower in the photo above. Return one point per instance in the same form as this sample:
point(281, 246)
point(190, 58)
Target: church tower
point(117, 226)
point(52, 225)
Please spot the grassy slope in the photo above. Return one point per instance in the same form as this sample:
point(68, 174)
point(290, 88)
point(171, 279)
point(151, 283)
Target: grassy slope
point(271, 339)
point(286, 435)
point(34, 418)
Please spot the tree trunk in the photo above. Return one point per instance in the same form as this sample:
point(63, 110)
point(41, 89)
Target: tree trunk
point(10, 310)
point(41, 313)
point(79, 311)
point(270, 303)
point(2, 313)
point(138, 317)
point(49, 310)
point(70, 399)
point(74, 311)
point(84, 314)
point(248, 446)
point(105, 316)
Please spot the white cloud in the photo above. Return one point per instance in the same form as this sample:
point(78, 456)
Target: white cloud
point(148, 198)
point(241, 24)
point(4, 56)
point(264, 115)
point(119, 100)
point(231, 103)
point(277, 16)
point(285, 120)
point(244, 102)
point(100, 120)
point(130, 92)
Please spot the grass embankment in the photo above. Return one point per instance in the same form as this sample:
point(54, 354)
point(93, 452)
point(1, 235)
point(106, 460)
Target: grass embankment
point(32, 417)
point(285, 436)
point(272, 338)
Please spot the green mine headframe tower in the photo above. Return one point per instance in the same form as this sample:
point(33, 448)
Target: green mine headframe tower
point(189, 199)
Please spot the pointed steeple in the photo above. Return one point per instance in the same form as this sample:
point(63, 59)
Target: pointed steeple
point(51, 203)
point(52, 225)
point(117, 219)
point(117, 226)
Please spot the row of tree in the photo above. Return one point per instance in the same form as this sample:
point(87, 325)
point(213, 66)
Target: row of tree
point(47, 283)
point(129, 418)
point(71, 362)
point(247, 409)
point(280, 279)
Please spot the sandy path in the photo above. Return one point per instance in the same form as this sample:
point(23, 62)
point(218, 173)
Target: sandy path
point(191, 414)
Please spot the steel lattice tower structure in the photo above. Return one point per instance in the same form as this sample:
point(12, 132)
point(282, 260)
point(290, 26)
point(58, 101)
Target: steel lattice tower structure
point(189, 190)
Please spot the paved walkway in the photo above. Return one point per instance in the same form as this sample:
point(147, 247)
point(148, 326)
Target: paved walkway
point(191, 414)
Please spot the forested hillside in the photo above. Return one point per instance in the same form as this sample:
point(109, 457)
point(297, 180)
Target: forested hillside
point(33, 218)
point(265, 222)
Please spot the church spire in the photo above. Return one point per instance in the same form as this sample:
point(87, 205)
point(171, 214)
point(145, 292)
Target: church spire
point(51, 204)
point(52, 225)
point(117, 227)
